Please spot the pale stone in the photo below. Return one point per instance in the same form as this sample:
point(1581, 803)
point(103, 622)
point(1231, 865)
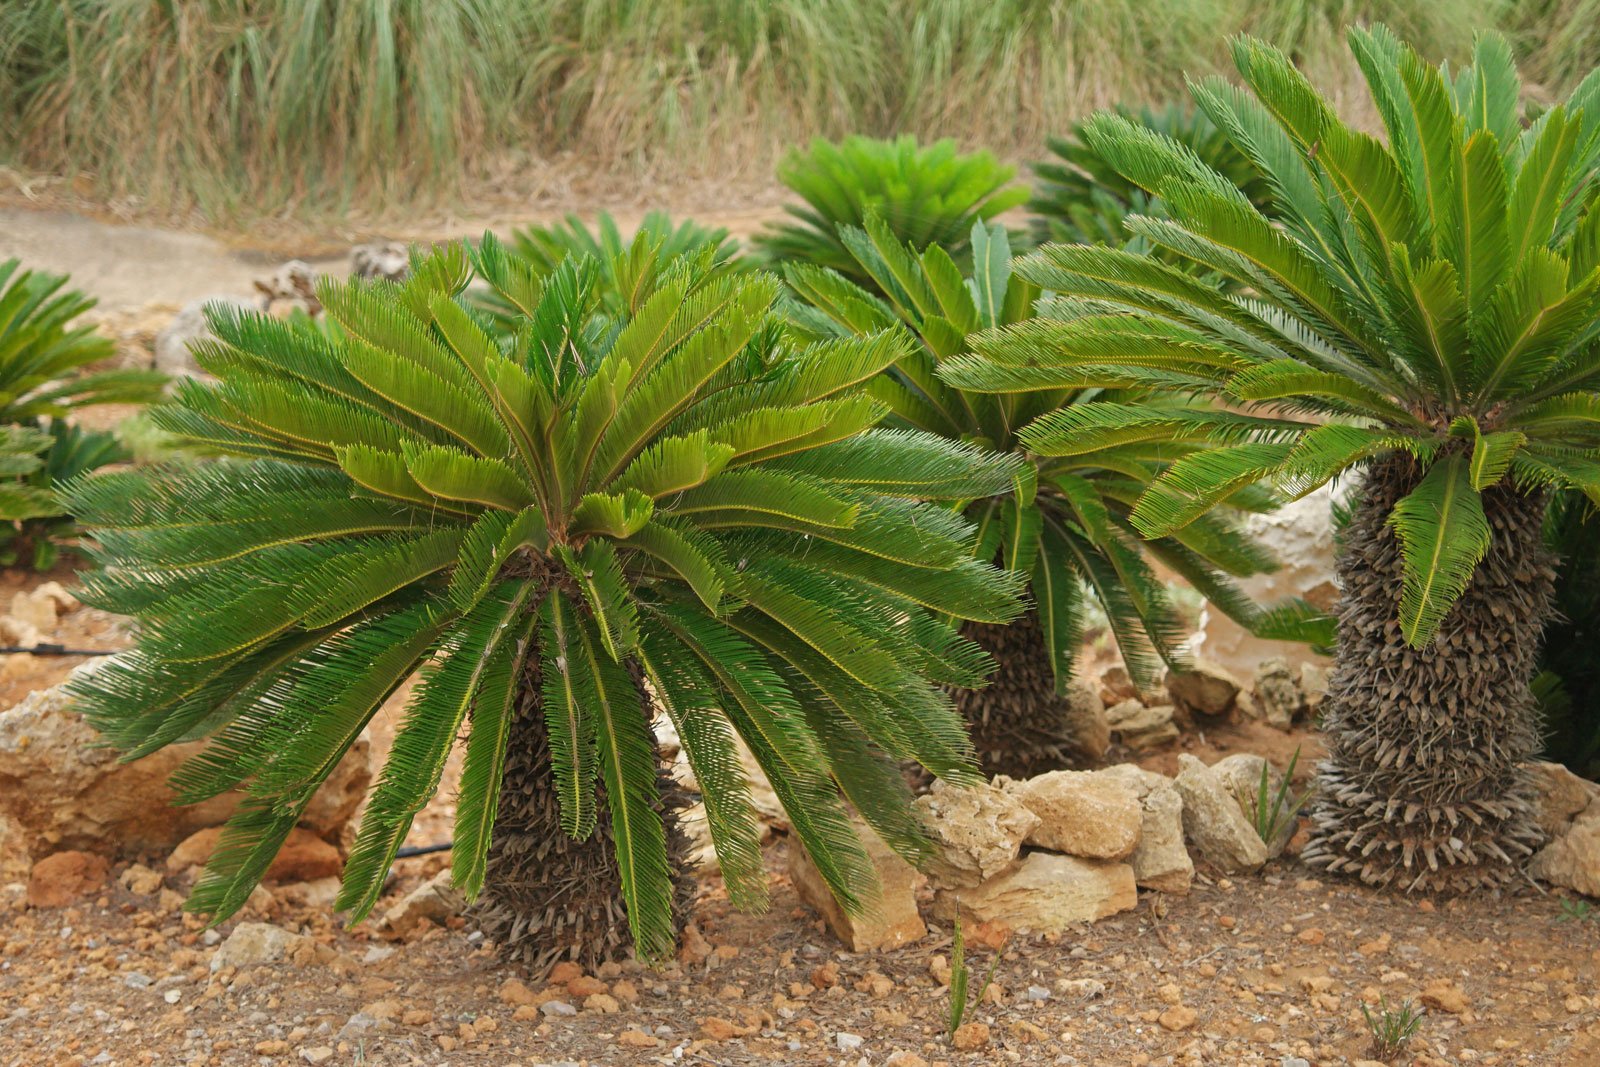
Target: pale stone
point(1572, 860)
point(1139, 727)
point(1242, 772)
point(977, 832)
point(36, 611)
point(61, 787)
point(1313, 686)
point(1161, 860)
point(1085, 715)
point(1081, 814)
point(1213, 820)
point(1276, 697)
point(254, 943)
point(1299, 536)
point(1561, 796)
point(890, 918)
point(1045, 894)
point(1116, 685)
point(1205, 687)
point(432, 901)
point(174, 344)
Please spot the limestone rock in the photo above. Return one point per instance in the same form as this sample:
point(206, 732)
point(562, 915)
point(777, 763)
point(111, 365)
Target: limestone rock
point(1213, 820)
point(380, 259)
point(1161, 860)
point(977, 832)
point(1561, 796)
point(1242, 772)
point(1299, 536)
point(1085, 715)
point(891, 921)
point(187, 328)
point(292, 287)
point(64, 878)
point(251, 944)
point(1045, 894)
point(61, 788)
point(1572, 860)
point(1116, 685)
point(1205, 687)
point(1139, 727)
point(1276, 695)
point(433, 901)
point(1313, 686)
point(1081, 813)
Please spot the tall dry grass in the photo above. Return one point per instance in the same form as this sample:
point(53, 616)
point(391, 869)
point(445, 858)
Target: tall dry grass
point(243, 109)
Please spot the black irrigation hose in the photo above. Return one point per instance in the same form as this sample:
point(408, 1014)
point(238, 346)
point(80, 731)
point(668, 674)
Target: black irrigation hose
point(423, 850)
point(51, 649)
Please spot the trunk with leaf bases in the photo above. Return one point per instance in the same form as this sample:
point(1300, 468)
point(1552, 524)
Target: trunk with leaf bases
point(1423, 786)
point(1018, 721)
point(548, 897)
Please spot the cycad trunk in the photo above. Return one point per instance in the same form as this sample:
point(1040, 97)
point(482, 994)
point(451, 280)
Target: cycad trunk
point(1018, 724)
point(1423, 786)
point(546, 897)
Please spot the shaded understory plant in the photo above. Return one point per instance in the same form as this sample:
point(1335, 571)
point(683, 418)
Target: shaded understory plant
point(1274, 811)
point(924, 195)
point(1080, 198)
point(560, 535)
point(42, 382)
point(1424, 313)
point(1066, 528)
point(1568, 685)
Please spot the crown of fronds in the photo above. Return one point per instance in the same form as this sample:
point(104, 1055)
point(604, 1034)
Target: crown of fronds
point(41, 356)
point(925, 195)
point(672, 509)
point(1066, 525)
point(1438, 295)
point(1081, 198)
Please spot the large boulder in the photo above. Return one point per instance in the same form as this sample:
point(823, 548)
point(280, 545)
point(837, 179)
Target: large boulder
point(1213, 819)
point(1161, 860)
point(61, 788)
point(1045, 894)
point(1560, 796)
point(889, 921)
point(1081, 813)
point(977, 832)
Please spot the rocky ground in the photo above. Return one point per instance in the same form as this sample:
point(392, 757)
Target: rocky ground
point(1268, 969)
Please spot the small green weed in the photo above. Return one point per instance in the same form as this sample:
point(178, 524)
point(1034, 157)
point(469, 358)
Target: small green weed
point(1392, 1028)
point(1276, 809)
point(960, 977)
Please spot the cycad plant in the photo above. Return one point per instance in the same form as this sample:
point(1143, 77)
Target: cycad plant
point(1424, 313)
point(42, 381)
point(675, 512)
point(1568, 686)
point(1066, 527)
point(925, 195)
point(1081, 198)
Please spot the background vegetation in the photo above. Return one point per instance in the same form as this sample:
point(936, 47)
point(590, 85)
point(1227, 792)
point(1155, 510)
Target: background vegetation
point(243, 108)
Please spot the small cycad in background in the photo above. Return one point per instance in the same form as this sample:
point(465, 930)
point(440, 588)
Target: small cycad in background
point(595, 519)
point(1080, 198)
point(1423, 313)
point(1066, 527)
point(925, 196)
point(42, 382)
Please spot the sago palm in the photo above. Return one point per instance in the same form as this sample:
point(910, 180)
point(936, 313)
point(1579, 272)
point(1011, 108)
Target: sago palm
point(671, 511)
point(1066, 526)
point(43, 380)
point(1424, 312)
point(925, 195)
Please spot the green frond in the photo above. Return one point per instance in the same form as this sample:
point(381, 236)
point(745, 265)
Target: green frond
point(1443, 536)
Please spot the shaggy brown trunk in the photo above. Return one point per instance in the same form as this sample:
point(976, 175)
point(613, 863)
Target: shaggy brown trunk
point(1423, 786)
point(546, 897)
point(1018, 724)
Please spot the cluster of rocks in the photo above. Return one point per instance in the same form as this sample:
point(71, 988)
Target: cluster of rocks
point(1113, 710)
point(1043, 854)
point(291, 287)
